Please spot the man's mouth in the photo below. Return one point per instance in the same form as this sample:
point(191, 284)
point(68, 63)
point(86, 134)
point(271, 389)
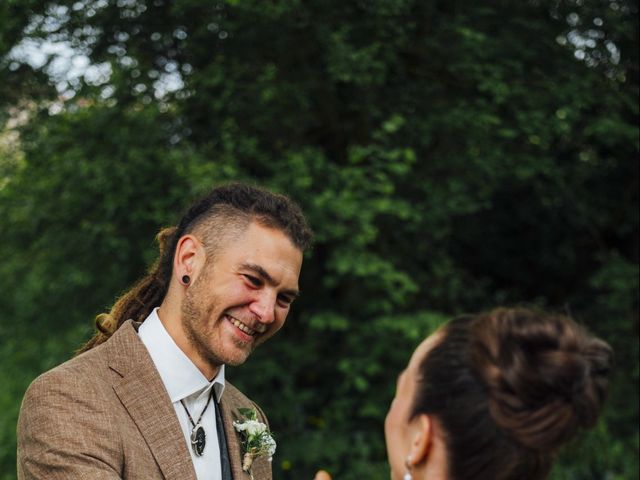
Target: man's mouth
point(260, 328)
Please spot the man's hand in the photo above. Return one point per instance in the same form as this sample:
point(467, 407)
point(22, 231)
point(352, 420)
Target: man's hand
point(322, 475)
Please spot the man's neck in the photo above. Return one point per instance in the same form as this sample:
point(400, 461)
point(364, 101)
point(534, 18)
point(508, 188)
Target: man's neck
point(171, 319)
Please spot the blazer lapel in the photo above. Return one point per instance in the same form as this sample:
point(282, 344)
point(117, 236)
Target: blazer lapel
point(234, 445)
point(143, 394)
point(231, 400)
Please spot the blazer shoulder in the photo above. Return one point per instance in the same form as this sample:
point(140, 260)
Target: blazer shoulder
point(85, 369)
point(73, 387)
point(94, 367)
point(65, 414)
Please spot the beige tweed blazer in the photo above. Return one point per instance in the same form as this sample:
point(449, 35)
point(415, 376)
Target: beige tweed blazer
point(106, 415)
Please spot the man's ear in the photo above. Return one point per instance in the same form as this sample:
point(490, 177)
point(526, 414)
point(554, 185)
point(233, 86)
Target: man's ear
point(421, 431)
point(187, 256)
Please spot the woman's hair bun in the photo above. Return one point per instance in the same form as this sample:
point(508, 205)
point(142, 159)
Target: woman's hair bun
point(546, 377)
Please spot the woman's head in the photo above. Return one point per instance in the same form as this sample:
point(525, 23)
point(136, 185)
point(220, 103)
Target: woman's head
point(497, 393)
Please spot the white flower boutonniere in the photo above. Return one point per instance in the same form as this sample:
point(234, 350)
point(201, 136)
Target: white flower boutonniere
point(256, 438)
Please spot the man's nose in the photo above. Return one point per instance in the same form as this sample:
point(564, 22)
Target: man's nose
point(264, 307)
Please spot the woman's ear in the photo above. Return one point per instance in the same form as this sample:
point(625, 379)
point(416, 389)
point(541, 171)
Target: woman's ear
point(421, 431)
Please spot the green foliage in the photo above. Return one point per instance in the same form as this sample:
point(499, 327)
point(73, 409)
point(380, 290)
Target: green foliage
point(450, 157)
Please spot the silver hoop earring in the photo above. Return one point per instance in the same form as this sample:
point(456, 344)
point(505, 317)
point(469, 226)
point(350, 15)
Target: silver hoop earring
point(407, 475)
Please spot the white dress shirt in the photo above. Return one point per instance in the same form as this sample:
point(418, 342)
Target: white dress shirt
point(185, 382)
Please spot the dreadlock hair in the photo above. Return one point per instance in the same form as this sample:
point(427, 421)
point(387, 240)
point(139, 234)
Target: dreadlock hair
point(220, 216)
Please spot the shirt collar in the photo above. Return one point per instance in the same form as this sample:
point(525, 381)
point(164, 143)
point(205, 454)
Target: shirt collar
point(180, 376)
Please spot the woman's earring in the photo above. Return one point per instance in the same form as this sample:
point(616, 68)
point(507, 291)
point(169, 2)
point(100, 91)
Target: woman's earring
point(407, 476)
point(185, 279)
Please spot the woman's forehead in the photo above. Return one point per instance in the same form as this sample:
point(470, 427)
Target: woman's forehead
point(423, 349)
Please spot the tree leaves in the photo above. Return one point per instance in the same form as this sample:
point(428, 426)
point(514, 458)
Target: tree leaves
point(449, 156)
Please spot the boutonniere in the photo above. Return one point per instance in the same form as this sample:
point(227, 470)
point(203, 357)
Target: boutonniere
point(256, 438)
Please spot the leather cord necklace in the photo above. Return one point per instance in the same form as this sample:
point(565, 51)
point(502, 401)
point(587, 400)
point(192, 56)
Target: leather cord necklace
point(198, 435)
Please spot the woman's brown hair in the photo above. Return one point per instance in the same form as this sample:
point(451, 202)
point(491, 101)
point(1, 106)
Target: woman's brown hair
point(509, 387)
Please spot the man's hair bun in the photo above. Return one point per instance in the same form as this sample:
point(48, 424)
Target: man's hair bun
point(545, 376)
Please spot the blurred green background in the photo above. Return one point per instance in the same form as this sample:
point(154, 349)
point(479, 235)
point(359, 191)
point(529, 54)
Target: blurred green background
point(451, 156)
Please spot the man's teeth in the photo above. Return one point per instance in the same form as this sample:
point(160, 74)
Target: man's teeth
point(242, 326)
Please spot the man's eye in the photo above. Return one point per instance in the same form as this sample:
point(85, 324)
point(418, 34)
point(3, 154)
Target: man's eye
point(285, 300)
point(253, 280)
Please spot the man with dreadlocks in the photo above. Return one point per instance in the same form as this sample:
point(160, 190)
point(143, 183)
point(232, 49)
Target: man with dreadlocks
point(146, 398)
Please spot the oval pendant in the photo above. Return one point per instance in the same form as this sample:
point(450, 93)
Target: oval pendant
point(198, 439)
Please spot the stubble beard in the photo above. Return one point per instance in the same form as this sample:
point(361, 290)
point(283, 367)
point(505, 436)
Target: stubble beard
point(200, 332)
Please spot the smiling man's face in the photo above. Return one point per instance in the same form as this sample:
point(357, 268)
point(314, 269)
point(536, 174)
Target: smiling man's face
point(242, 297)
